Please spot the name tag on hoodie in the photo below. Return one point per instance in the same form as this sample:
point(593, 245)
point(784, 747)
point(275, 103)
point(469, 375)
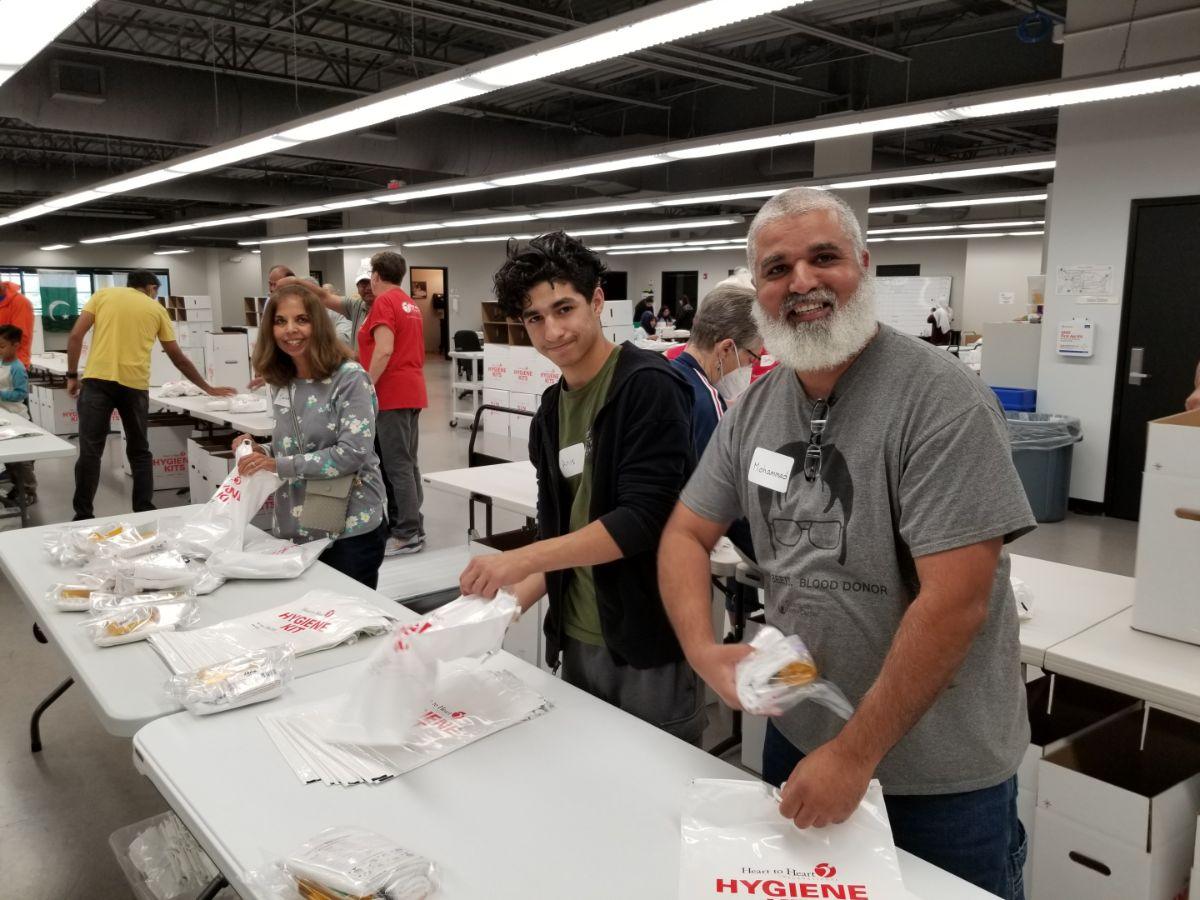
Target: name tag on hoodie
point(570, 460)
point(770, 469)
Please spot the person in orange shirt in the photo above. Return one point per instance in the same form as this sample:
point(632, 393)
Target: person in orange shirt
point(15, 309)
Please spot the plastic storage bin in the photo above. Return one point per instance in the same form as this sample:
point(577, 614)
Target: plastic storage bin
point(1017, 399)
point(1041, 450)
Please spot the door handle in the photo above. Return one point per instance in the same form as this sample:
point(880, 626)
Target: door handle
point(1137, 357)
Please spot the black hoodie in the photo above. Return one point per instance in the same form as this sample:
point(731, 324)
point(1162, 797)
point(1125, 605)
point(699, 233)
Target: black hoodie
point(642, 455)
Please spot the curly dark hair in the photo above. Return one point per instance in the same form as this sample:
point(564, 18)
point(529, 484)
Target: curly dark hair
point(551, 257)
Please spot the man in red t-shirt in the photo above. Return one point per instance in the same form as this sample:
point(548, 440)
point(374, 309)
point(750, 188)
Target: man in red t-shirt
point(15, 309)
point(391, 346)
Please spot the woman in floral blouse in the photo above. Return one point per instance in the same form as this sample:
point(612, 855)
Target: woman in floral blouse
point(331, 434)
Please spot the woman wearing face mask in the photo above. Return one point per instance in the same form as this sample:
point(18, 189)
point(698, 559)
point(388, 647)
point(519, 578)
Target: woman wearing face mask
point(722, 349)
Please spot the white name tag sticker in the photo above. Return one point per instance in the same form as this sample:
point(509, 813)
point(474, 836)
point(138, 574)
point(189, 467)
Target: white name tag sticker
point(770, 469)
point(570, 460)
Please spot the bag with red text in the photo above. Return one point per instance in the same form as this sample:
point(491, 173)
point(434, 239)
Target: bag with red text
point(397, 685)
point(735, 844)
point(316, 621)
point(221, 524)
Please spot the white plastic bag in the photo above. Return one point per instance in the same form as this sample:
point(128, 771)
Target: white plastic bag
point(267, 557)
point(258, 675)
point(397, 686)
point(158, 571)
point(354, 862)
point(780, 673)
point(179, 389)
point(221, 524)
point(247, 403)
point(1023, 594)
point(735, 843)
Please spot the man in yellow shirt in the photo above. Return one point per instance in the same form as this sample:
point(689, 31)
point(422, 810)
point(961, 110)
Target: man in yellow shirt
point(127, 320)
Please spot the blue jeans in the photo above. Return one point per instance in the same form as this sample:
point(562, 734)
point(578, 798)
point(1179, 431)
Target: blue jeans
point(975, 835)
point(359, 556)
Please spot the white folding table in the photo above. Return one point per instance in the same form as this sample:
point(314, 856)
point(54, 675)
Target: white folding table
point(40, 444)
point(508, 486)
point(1067, 600)
point(260, 423)
point(125, 684)
point(583, 802)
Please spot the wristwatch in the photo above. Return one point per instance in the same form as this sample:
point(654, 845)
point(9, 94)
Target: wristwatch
point(73, 375)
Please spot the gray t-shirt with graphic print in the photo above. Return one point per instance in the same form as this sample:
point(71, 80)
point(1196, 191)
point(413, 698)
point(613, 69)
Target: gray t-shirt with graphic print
point(915, 461)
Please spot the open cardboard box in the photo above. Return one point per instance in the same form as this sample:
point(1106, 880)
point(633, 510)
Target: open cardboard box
point(1115, 822)
point(1166, 600)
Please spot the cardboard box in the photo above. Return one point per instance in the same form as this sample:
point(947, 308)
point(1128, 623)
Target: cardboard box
point(523, 369)
point(617, 312)
point(518, 426)
point(226, 359)
point(1061, 709)
point(547, 373)
point(197, 301)
point(1114, 821)
point(618, 334)
point(494, 422)
point(1169, 531)
point(168, 435)
point(496, 363)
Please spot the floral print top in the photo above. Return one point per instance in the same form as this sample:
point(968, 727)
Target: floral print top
point(336, 416)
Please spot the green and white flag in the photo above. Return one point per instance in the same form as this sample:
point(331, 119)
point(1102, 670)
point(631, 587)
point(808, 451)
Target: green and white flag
point(60, 299)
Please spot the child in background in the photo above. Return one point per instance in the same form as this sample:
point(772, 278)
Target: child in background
point(14, 391)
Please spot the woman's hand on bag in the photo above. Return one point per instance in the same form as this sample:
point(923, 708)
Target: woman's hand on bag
point(244, 438)
point(255, 462)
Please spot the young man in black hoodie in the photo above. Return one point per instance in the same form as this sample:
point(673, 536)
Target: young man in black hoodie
point(612, 446)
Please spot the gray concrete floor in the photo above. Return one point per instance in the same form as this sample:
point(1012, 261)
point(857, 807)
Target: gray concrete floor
point(57, 808)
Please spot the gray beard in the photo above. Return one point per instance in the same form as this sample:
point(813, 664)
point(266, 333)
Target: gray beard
point(826, 343)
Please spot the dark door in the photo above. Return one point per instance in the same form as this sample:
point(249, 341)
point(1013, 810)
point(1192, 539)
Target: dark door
point(1160, 337)
point(677, 285)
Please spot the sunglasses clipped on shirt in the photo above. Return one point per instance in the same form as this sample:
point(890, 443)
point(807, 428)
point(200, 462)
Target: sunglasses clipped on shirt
point(816, 429)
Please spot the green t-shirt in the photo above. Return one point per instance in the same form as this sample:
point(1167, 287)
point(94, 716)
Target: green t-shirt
point(576, 412)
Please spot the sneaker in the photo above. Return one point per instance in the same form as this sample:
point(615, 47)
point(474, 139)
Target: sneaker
point(396, 547)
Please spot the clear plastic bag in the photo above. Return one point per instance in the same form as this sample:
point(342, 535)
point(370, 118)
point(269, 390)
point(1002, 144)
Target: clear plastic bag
point(74, 545)
point(222, 523)
point(1023, 595)
point(780, 673)
point(347, 862)
point(131, 542)
point(733, 841)
point(161, 570)
point(397, 686)
point(257, 676)
point(267, 557)
point(1042, 431)
point(123, 620)
point(247, 403)
point(162, 860)
point(76, 595)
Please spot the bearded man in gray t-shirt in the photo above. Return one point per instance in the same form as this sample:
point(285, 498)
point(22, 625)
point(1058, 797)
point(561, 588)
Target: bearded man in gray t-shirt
point(876, 475)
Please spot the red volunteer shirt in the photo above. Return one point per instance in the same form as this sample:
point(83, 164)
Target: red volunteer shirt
point(402, 385)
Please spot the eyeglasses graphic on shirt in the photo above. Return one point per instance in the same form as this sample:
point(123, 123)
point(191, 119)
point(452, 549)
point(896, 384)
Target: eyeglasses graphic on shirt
point(816, 428)
point(822, 535)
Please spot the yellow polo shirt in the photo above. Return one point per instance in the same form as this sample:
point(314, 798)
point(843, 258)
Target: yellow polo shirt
point(127, 325)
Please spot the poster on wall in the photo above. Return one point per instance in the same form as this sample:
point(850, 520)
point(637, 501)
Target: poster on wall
point(1071, 281)
point(60, 299)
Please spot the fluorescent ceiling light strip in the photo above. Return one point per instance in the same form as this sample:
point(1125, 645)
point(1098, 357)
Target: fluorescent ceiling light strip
point(956, 226)
point(483, 239)
point(292, 238)
point(348, 247)
point(56, 247)
point(952, 237)
point(449, 87)
point(434, 243)
point(950, 204)
point(170, 252)
point(491, 220)
point(698, 223)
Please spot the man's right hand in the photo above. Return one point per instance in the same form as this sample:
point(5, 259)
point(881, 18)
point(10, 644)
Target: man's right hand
point(73, 386)
point(716, 664)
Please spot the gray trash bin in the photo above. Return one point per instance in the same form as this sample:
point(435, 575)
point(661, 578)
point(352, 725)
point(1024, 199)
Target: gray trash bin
point(1041, 450)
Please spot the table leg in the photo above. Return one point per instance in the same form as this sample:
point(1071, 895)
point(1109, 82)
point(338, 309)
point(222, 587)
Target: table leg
point(38, 636)
point(213, 888)
point(35, 731)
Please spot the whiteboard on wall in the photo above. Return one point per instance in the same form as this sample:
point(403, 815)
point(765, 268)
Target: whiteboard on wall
point(904, 301)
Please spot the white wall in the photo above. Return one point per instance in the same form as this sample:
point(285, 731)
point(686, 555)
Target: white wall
point(1109, 154)
point(205, 271)
point(646, 270)
point(996, 265)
